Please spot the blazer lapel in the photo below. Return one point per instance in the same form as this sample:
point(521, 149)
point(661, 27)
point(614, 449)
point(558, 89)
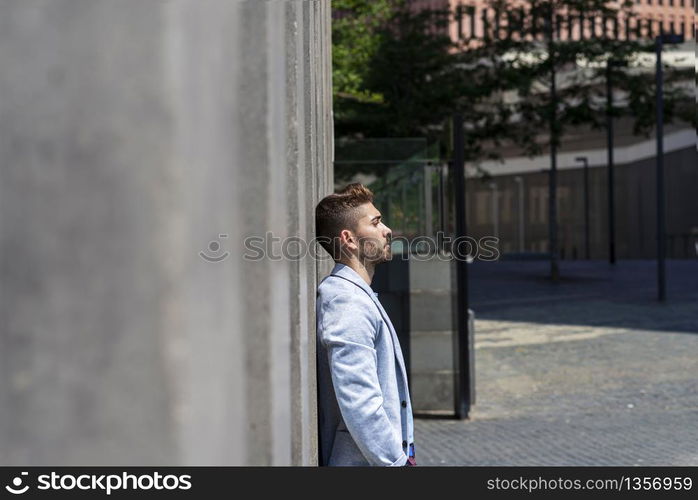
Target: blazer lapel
point(396, 341)
point(348, 273)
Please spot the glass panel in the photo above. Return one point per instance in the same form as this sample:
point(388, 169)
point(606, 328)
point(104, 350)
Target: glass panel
point(404, 175)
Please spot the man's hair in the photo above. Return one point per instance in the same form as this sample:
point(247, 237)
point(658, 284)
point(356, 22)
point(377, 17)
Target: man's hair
point(337, 212)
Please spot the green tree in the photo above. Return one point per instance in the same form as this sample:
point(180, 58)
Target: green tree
point(408, 77)
point(560, 81)
point(355, 40)
point(397, 72)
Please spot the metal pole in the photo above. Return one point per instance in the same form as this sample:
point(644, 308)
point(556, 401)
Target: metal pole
point(661, 243)
point(428, 208)
point(585, 163)
point(421, 201)
point(552, 187)
point(519, 182)
point(403, 201)
point(442, 198)
point(495, 210)
point(463, 356)
point(587, 249)
point(609, 148)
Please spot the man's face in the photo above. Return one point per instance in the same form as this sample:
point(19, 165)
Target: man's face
point(372, 235)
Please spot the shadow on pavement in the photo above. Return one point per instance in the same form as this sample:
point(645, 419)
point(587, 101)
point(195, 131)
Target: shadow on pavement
point(593, 293)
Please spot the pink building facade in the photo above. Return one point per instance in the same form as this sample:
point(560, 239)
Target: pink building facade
point(472, 19)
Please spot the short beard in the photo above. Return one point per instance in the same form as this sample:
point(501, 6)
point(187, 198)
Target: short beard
point(370, 251)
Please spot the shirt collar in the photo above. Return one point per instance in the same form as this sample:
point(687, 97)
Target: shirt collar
point(348, 273)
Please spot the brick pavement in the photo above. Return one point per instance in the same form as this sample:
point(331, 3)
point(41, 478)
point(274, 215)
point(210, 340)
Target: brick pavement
point(592, 371)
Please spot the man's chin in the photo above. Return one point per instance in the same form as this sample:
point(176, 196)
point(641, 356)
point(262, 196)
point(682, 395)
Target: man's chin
point(387, 256)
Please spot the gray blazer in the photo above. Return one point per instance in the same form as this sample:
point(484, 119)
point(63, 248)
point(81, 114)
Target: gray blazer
point(365, 413)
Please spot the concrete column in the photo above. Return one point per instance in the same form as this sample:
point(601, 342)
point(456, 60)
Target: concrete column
point(141, 142)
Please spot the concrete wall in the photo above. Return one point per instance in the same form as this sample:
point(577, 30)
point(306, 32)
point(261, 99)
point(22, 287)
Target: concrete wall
point(132, 134)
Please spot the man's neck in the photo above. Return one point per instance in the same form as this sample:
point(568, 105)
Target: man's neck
point(364, 270)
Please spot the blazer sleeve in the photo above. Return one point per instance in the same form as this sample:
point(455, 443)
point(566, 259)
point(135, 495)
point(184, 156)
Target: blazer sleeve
point(348, 332)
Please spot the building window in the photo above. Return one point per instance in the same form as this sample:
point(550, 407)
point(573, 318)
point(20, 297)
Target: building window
point(671, 3)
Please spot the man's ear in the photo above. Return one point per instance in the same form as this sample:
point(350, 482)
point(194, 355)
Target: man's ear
point(347, 236)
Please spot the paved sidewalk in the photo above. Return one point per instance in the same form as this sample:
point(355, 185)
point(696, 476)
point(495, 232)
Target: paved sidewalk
point(591, 371)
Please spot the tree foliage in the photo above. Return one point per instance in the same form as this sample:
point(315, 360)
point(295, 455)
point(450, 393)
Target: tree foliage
point(397, 72)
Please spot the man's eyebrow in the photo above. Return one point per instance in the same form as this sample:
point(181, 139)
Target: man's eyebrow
point(379, 216)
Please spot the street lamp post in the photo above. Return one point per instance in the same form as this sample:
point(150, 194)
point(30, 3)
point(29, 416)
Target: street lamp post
point(660, 40)
point(609, 147)
point(585, 162)
point(495, 210)
point(519, 183)
point(428, 202)
point(554, 136)
point(463, 342)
